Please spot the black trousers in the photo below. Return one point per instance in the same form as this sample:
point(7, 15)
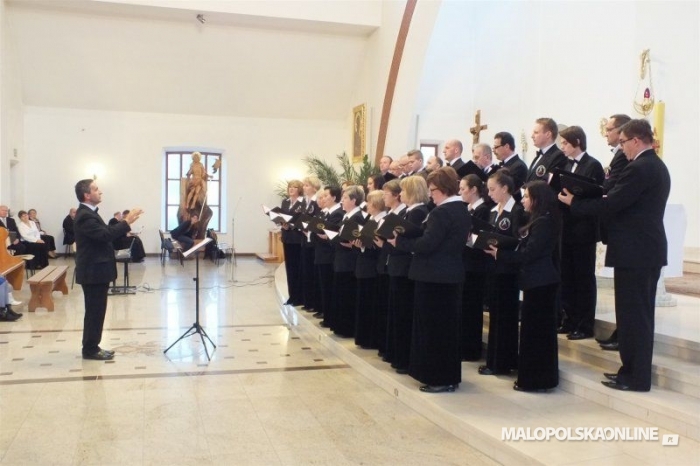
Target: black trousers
point(399, 322)
point(578, 286)
point(473, 315)
point(308, 277)
point(538, 359)
point(635, 301)
point(292, 265)
point(95, 309)
point(502, 349)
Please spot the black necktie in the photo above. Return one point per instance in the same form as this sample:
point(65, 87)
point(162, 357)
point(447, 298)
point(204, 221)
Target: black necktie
point(539, 152)
point(501, 164)
point(97, 209)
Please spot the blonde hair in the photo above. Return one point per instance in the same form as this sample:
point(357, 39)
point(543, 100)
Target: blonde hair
point(376, 199)
point(415, 190)
point(356, 193)
point(313, 180)
point(296, 184)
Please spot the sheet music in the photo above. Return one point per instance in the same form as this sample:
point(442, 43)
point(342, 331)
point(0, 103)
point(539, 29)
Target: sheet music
point(196, 247)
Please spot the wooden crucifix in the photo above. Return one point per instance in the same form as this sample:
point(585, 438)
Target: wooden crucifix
point(477, 128)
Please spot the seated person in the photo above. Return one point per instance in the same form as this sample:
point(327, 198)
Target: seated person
point(125, 242)
point(48, 239)
point(186, 232)
point(14, 245)
point(6, 302)
point(31, 237)
point(68, 232)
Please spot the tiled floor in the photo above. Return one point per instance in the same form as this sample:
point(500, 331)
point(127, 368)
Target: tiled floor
point(266, 397)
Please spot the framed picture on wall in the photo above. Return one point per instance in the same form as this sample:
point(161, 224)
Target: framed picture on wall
point(359, 119)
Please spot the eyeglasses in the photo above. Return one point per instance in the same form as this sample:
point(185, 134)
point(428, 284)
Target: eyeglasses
point(623, 141)
point(433, 189)
point(498, 146)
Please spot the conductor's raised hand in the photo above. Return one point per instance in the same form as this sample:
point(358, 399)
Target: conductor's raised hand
point(133, 215)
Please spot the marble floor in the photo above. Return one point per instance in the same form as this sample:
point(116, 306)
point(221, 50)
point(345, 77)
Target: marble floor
point(269, 395)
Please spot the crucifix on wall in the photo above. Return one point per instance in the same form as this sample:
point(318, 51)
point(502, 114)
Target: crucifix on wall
point(477, 128)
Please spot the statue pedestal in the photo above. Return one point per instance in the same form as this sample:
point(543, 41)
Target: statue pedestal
point(274, 246)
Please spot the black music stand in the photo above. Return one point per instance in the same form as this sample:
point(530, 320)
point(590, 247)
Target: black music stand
point(195, 328)
point(123, 256)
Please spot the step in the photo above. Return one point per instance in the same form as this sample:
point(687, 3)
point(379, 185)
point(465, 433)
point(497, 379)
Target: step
point(483, 405)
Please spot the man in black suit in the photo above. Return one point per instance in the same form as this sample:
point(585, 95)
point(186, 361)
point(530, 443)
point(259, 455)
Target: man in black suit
point(95, 266)
point(637, 249)
point(612, 173)
point(433, 163)
point(482, 158)
point(9, 223)
point(580, 234)
point(548, 157)
point(384, 165)
point(504, 148)
point(453, 154)
point(415, 163)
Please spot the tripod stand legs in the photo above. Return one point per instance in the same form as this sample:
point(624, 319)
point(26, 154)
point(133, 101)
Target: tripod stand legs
point(195, 328)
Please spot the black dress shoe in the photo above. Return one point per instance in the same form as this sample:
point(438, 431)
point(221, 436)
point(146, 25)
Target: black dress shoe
point(518, 388)
point(324, 324)
point(576, 335)
point(318, 315)
point(101, 355)
point(484, 370)
point(610, 375)
point(306, 308)
point(615, 385)
point(614, 346)
point(611, 339)
point(6, 316)
point(438, 388)
point(12, 313)
point(402, 371)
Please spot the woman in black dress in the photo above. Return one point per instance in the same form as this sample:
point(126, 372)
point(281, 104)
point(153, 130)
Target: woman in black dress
point(414, 193)
point(473, 192)
point(291, 242)
point(538, 364)
point(309, 278)
point(506, 217)
point(438, 273)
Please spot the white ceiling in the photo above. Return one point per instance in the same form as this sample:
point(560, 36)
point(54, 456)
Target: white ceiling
point(103, 56)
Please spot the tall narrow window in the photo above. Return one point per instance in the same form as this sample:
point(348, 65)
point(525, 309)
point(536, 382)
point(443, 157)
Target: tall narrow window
point(177, 163)
point(429, 150)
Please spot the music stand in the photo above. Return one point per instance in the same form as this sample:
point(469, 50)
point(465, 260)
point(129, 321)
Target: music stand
point(124, 256)
point(195, 328)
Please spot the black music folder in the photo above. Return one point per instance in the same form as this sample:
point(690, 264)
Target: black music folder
point(317, 225)
point(481, 225)
point(578, 185)
point(350, 231)
point(402, 226)
point(367, 233)
point(485, 239)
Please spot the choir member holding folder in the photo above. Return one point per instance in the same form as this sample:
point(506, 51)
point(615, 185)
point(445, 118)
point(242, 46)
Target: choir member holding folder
point(311, 185)
point(332, 214)
point(391, 192)
point(366, 274)
point(414, 192)
point(341, 316)
point(473, 192)
point(538, 365)
point(438, 273)
point(579, 237)
point(506, 218)
point(292, 239)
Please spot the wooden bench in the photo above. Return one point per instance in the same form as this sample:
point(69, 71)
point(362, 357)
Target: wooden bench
point(45, 282)
point(11, 267)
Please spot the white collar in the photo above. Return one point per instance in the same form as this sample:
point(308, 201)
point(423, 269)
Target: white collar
point(413, 206)
point(379, 216)
point(578, 158)
point(506, 160)
point(334, 208)
point(352, 212)
point(454, 198)
point(90, 206)
point(508, 207)
point(398, 208)
point(545, 149)
point(476, 204)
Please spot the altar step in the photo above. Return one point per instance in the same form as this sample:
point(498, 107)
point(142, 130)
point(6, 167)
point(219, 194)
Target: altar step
point(483, 405)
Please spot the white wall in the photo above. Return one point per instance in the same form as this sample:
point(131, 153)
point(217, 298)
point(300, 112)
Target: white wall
point(11, 110)
point(126, 149)
point(574, 61)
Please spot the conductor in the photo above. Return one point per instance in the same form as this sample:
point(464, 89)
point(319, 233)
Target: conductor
point(95, 265)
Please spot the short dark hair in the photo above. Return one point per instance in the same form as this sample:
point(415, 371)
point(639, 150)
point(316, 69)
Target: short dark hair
point(620, 119)
point(439, 161)
point(506, 138)
point(378, 181)
point(126, 212)
point(503, 178)
point(445, 180)
point(549, 125)
point(543, 201)
point(334, 191)
point(21, 212)
point(415, 153)
point(640, 129)
point(575, 136)
point(82, 188)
